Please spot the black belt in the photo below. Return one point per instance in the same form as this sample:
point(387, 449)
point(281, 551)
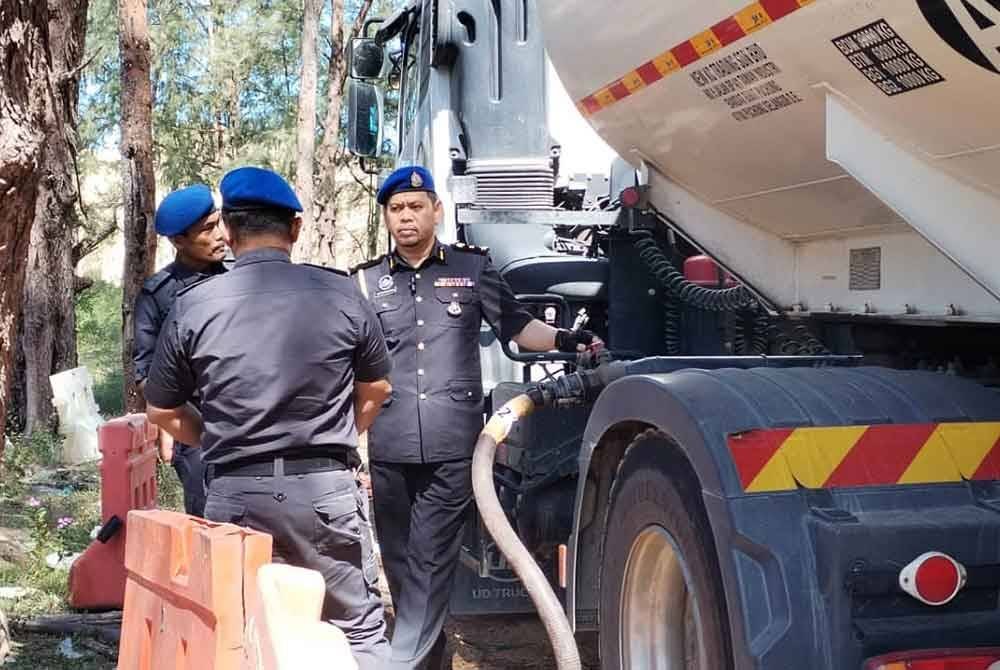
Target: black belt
point(294, 464)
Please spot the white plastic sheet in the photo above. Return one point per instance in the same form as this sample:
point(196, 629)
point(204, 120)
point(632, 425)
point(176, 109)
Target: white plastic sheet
point(79, 416)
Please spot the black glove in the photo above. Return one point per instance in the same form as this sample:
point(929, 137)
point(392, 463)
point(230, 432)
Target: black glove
point(567, 340)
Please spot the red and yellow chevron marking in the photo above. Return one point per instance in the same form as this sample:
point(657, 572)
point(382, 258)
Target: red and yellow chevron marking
point(850, 456)
point(748, 20)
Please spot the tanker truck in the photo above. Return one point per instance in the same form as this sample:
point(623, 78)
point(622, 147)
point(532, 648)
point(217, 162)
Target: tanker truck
point(789, 454)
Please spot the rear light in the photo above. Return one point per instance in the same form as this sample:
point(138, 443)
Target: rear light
point(933, 578)
point(630, 197)
point(938, 659)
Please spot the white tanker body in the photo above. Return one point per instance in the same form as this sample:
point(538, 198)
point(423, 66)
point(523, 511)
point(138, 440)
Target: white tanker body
point(842, 157)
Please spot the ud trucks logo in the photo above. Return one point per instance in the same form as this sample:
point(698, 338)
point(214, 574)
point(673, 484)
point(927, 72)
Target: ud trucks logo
point(970, 27)
point(500, 570)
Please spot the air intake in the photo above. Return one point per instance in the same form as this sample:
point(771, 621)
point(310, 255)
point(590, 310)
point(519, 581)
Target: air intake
point(513, 184)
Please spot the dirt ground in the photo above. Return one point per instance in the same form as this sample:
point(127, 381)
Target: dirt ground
point(502, 642)
point(506, 643)
point(476, 643)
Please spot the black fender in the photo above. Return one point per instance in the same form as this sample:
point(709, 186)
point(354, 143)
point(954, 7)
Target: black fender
point(699, 409)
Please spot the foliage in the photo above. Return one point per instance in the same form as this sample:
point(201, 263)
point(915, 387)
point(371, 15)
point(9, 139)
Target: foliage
point(225, 83)
point(22, 455)
point(169, 490)
point(99, 337)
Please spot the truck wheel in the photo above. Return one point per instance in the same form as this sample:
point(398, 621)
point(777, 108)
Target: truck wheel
point(662, 603)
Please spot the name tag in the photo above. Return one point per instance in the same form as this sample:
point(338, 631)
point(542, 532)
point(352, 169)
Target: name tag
point(454, 282)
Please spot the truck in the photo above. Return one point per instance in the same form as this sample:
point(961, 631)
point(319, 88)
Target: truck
point(793, 262)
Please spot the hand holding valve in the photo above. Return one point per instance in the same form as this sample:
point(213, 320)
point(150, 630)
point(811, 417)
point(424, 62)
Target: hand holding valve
point(576, 341)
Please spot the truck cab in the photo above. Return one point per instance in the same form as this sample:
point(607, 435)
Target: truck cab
point(806, 423)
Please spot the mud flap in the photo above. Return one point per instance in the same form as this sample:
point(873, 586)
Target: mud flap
point(501, 592)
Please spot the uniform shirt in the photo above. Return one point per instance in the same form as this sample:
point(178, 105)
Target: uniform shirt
point(274, 350)
point(431, 317)
point(153, 305)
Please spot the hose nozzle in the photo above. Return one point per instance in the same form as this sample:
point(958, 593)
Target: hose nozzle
point(577, 388)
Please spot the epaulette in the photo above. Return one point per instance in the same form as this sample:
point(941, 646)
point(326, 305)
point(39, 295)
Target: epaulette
point(153, 284)
point(462, 246)
point(368, 264)
point(336, 271)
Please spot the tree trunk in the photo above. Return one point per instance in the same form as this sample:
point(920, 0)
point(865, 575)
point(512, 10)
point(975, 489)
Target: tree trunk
point(49, 341)
point(138, 184)
point(313, 246)
point(325, 225)
point(25, 100)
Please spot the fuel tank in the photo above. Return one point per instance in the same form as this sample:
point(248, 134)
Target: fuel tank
point(808, 133)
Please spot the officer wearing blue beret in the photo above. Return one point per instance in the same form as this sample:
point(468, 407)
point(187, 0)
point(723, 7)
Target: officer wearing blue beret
point(189, 219)
point(431, 298)
point(290, 364)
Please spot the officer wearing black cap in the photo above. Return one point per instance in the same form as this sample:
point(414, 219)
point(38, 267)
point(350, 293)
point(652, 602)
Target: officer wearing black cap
point(290, 364)
point(189, 219)
point(431, 298)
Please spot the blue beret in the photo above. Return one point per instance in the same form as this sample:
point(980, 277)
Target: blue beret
point(411, 178)
point(257, 188)
point(183, 208)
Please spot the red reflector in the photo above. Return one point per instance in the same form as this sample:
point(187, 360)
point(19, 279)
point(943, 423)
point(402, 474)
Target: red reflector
point(629, 197)
point(933, 578)
point(938, 659)
point(936, 579)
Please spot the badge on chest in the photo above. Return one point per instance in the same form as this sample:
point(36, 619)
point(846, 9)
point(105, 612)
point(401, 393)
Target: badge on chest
point(386, 286)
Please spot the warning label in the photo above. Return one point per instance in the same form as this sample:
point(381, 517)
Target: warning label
point(882, 56)
point(745, 81)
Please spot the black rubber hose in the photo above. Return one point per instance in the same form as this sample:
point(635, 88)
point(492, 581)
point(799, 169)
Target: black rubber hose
point(671, 324)
point(546, 602)
point(689, 293)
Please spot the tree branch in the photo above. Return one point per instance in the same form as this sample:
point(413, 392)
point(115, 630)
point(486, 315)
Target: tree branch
point(86, 246)
point(70, 75)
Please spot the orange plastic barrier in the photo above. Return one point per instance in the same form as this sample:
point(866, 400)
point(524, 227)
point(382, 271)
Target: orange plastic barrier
point(284, 631)
point(190, 583)
point(128, 482)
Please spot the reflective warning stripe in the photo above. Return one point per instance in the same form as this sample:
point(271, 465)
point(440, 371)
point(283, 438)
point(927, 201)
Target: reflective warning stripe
point(848, 456)
point(748, 20)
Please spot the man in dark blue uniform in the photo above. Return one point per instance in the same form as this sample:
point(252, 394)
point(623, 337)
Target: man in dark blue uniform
point(189, 219)
point(431, 298)
point(290, 364)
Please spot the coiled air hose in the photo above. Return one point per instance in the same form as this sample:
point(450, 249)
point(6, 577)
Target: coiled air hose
point(800, 341)
point(582, 386)
point(689, 293)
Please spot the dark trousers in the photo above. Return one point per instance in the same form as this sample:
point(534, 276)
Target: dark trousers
point(318, 521)
point(191, 471)
point(419, 516)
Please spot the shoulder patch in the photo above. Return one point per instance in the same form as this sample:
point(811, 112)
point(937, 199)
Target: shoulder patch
point(461, 246)
point(368, 264)
point(153, 284)
point(336, 271)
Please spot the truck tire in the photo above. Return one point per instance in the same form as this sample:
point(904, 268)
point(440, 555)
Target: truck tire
point(662, 604)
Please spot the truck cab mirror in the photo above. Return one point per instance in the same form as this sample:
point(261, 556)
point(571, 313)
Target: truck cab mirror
point(364, 118)
point(366, 59)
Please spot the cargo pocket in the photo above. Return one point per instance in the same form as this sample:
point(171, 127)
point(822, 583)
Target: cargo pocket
point(225, 510)
point(338, 524)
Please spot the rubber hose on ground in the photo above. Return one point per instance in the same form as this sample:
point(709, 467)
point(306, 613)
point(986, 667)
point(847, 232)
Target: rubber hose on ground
point(546, 602)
